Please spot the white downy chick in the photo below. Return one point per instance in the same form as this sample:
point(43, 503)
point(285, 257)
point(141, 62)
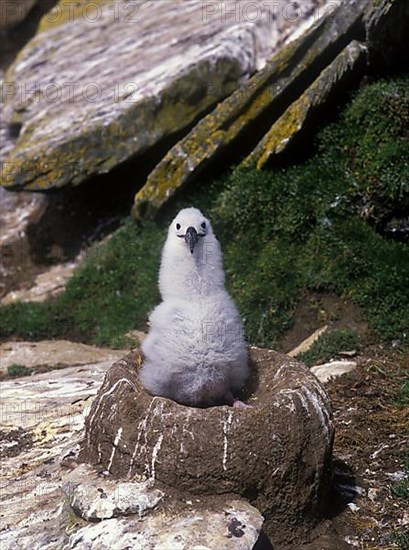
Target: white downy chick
point(195, 352)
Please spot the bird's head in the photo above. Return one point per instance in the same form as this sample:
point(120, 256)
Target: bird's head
point(191, 257)
point(188, 228)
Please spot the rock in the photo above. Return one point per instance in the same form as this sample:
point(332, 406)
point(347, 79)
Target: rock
point(131, 76)
point(333, 369)
point(47, 285)
point(387, 28)
point(308, 342)
point(242, 119)
point(54, 352)
point(277, 454)
point(14, 12)
point(41, 424)
point(232, 525)
point(44, 414)
point(348, 353)
point(108, 500)
point(17, 211)
point(296, 120)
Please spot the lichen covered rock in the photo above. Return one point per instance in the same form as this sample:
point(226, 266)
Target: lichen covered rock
point(226, 524)
point(130, 75)
point(348, 64)
point(277, 453)
point(242, 119)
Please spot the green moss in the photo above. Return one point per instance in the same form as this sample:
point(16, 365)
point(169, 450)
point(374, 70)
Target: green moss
point(401, 541)
point(15, 371)
point(329, 345)
point(306, 227)
point(372, 145)
point(284, 232)
point(401, 489)
point(402, 399)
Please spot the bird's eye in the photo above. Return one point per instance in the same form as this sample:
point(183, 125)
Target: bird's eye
point(203, 224)
point(178, 226)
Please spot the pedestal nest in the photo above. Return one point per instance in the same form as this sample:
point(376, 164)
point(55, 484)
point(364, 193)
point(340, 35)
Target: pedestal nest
point(276, 454)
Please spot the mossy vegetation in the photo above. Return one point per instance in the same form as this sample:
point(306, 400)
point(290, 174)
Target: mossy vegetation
point(313, 226)
point(401, 488)
point(15, 371)
point(402, 400)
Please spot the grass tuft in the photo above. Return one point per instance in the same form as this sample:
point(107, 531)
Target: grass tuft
point(16, 370)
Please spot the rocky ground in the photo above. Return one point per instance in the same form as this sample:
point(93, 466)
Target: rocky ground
point(370, 507)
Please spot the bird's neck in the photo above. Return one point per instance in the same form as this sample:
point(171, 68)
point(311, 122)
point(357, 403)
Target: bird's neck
point(190, 276)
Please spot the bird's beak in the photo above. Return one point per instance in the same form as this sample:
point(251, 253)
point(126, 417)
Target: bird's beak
point(191, 238)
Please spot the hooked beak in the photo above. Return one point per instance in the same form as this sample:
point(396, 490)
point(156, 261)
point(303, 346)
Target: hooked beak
point(191, 238)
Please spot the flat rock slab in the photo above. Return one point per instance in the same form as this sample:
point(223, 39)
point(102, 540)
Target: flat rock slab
point(41, 423)
point(47, 285)
point(333, 369)
point(297, 118)
point(230, 525)
point(130, 75)
point(52, 353)
point(277, 453)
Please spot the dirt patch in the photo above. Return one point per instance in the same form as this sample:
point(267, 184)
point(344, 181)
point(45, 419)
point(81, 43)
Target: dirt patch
point(317, 309)
point(371, 440)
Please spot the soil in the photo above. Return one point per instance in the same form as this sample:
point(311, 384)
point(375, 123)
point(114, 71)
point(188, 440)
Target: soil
point(371, 440)
point(316, 309)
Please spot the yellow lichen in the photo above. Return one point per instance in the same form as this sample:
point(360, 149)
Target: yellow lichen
point(67, 11)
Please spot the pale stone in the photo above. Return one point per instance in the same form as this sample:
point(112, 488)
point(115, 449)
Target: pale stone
point(333, 369)
point(108, 499)
point(232, 525)
point(17, 211)
point(53, 352)
point(48, 411)
point(47, 284)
